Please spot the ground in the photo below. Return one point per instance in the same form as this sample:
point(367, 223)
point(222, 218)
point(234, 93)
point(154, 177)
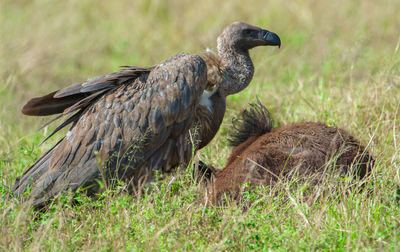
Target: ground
point(339, 63)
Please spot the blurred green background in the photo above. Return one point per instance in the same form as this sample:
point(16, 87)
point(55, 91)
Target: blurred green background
point(339, 63)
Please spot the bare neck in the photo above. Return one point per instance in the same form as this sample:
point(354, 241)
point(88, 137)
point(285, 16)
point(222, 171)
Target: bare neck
point(237, 68)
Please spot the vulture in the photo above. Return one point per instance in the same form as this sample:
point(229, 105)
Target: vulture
point(131, 124)
point(263, 155)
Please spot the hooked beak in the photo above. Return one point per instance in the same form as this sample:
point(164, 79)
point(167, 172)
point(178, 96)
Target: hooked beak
point(271, 38)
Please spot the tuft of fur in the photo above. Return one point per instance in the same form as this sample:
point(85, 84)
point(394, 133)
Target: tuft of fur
point(254, 121)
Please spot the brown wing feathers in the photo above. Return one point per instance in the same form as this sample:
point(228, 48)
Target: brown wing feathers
point(152, 108)
point(78, 96)
point(57, 101)
point(48, 105)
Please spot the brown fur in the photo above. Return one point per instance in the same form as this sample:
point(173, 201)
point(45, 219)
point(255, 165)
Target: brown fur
point(306, 148)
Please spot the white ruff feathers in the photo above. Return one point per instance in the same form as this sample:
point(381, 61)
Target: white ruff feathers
point(205, 99)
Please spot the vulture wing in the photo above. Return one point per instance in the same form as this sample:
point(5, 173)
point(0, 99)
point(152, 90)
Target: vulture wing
point(77, 97)
point(57, 101)
point(139, 124)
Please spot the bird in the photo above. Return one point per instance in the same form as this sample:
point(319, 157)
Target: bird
point(129, 125)
point(264, 155)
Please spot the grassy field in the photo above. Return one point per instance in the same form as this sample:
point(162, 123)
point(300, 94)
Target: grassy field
point(339, 63)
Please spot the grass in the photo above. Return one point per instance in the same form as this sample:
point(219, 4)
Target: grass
point(339, 64)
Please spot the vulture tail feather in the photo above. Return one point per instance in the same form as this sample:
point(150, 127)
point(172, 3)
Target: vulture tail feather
point(40, 167)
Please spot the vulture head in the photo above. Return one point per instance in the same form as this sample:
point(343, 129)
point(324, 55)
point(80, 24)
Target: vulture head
point(233, 48)
point(244, 36)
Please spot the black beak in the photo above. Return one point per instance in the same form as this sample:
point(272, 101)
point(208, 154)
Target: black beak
point(271, 38)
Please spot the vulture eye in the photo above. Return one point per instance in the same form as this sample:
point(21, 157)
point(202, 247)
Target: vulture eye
point(247, 32)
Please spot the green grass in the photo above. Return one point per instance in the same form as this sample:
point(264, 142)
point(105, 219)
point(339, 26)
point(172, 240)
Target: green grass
point(339, 64)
